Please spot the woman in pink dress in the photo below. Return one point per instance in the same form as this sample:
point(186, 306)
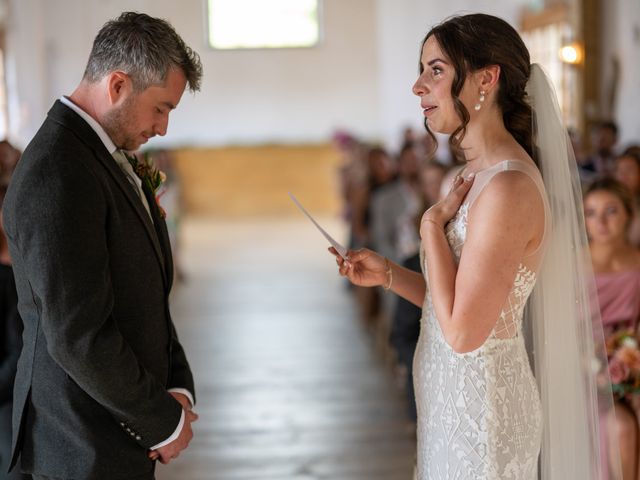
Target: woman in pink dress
point(616, 263)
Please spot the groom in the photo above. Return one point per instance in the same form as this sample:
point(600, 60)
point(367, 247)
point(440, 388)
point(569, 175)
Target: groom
point(103, 385)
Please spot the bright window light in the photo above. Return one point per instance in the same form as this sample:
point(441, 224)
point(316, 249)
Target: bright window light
point(235, 24)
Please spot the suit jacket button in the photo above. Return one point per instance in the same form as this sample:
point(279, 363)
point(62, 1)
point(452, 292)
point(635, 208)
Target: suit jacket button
point(138, 437)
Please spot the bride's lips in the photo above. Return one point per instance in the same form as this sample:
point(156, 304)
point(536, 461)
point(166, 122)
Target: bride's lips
point(428, 109)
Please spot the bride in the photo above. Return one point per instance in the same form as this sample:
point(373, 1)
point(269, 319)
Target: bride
point(509, 235)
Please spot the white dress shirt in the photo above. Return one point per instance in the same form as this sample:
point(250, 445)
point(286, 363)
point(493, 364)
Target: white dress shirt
point(111, 148)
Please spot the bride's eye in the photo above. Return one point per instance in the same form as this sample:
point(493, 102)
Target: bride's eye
point(436, 71)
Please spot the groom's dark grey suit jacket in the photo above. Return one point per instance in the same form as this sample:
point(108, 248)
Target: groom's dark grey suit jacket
point(93, 274)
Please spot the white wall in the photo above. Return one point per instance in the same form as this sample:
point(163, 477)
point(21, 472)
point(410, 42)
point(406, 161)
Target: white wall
point(359, 78)
point(621, 39)
point(402, 24)
point(294, 95)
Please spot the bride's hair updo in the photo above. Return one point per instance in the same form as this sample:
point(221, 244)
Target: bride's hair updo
point(476, 41)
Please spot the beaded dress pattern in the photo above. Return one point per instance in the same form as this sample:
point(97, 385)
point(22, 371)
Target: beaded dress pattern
point(479, 413)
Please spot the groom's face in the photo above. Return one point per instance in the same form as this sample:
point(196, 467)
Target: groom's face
point(139, 116)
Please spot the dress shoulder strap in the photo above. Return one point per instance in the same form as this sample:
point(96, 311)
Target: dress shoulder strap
point(485, 176)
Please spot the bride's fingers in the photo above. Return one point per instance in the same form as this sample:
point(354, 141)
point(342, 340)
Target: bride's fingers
point(355, 256)
point(461, 188)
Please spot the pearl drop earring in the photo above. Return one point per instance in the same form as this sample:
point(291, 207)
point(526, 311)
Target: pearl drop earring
point(478, 105)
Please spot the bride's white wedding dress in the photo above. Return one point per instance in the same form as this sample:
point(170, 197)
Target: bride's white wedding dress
point(479, 413)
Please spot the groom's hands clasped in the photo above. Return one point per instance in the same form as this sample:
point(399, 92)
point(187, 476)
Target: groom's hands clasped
point(172, 450)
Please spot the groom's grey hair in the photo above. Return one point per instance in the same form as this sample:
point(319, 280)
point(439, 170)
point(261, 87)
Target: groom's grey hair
point(143, 47)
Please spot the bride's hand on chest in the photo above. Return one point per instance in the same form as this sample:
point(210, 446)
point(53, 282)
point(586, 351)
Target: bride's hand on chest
point(446, 209)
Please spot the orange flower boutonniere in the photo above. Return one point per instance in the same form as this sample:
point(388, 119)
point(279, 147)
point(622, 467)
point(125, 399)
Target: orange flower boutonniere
point(152, 177)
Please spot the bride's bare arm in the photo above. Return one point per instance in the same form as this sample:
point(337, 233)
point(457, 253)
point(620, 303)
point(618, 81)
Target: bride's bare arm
point(506, 219)
point(408, 284)
point(369, 269)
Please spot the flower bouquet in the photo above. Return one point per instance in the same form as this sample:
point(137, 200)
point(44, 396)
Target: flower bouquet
point(623, 354)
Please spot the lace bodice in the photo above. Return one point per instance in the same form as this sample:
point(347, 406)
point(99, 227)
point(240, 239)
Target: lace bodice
point(479, 414)
point(509, 322)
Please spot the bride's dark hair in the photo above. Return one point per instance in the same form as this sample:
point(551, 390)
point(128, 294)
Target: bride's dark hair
point(476, 41)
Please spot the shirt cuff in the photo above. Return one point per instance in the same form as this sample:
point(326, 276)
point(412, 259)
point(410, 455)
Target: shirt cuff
point(185, 392)
point(174, 435)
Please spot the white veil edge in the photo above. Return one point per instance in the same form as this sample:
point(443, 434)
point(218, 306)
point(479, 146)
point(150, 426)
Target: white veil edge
point(563, 318)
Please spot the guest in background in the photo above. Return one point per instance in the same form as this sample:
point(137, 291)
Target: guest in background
point(405, 328)
point(616, 263)
point(432, 175)
point(10, 347)
point(577, 145)
point(633, 149)
point(627, 172)
point(9, 156)
point(394, 208)
point(353, 180)
point(379, 170)
point(601, 162)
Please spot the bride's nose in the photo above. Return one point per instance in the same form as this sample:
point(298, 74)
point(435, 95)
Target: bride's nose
point(419, 88)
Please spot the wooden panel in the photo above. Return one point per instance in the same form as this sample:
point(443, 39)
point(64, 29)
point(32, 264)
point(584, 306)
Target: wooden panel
point(247, 181)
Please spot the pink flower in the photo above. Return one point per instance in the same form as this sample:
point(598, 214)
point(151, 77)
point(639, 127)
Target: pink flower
point(629, 356)
point(618, 370)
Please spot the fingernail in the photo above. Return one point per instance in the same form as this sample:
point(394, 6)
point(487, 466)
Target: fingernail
point(471, 176)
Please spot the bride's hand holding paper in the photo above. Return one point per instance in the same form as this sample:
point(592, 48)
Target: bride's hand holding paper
point(363, 267)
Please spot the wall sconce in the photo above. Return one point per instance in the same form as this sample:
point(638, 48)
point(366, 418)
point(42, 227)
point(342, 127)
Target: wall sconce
point(573, 53)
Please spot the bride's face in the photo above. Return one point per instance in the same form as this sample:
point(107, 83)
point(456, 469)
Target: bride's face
point(433, 86)
point(606, 218)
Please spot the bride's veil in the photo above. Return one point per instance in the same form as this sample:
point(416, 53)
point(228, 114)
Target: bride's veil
point(565, 328)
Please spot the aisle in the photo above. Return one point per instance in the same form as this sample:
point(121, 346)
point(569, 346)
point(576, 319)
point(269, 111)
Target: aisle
point(288, 385)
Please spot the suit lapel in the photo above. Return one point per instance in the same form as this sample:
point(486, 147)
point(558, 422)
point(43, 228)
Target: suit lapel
point(118, 175)
point(67, 117)
point(162, 233)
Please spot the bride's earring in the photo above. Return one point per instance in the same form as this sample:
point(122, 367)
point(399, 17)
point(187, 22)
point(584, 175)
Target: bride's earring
point(478, 105)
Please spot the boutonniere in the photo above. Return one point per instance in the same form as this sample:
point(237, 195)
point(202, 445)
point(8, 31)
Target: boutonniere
point(152, 177)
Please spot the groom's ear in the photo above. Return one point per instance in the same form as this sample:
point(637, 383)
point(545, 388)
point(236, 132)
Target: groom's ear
point(119, 86)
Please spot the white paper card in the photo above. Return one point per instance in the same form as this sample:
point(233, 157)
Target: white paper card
point(339, 248)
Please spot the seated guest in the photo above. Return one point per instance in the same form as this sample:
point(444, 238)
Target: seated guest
point(616, 264)
point(9, 156)
point(379, 171)
point(394, 207)
point(10, 346)
point(406, 317)
point(633, 149)
point(601, 162)
point(432, 175)
point(627, 172)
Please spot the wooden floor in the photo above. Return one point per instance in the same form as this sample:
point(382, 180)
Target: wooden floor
point(289, 385)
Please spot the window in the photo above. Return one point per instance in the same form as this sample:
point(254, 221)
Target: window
point(545, 33)
point(236, 24)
